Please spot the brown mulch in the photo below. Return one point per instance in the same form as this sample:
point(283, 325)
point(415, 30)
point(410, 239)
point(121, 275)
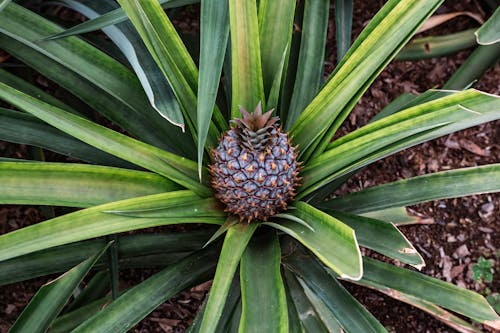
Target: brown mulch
point(462, 230)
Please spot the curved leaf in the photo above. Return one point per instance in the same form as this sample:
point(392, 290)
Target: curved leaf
point(123, 35)
point(439, 185)
point(437, 46)
point(333, 242)
point(51, 298)
point(260, 276)
point(382, 237)
point(235, 242)
point(487, 34)
point(139, 301)
point(186, 207)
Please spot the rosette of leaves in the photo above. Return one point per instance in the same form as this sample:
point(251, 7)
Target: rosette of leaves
point(281, 275)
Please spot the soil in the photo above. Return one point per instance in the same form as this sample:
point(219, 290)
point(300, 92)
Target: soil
point(459, 230)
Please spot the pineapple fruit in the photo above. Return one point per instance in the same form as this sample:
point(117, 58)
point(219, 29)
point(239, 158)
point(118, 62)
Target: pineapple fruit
point(254, 167)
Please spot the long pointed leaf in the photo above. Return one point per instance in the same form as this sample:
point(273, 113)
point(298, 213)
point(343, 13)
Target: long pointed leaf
point(112, 17)
point(439, 185)
point(309, 75)
point(437, 312)
point(172, 57)
point(248, 89)
point(74, 185)
point(275, 35)
point(333, 242)
point(382, 237)
point(156, 87)
point(139, 301)
point(130, 249)
point(214, 36)
point(51, 298)
point(180, 170)
point(93, 222)
point(399, 131)
point(351, 315)
point(235, 242)
point(261, 280)
point(444, 294)
point(23, 128)
point(343, 26)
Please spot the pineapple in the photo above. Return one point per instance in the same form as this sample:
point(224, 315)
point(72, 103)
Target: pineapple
point(255, 169)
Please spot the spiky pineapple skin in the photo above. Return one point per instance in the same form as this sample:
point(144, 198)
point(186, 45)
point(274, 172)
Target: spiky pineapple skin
point(254, 183)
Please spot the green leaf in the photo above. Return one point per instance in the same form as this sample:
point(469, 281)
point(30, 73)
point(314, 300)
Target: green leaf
point(309, 75)
point(382, 237)
point(93, 222)
point(333, 242)
point(247, 85)
point(397, 132)
point(178, 169)
point(343, 26)
point(94, 290)
point(447, 295)
point(74, 185)
point(134, 251)
point(32, 90)
point(394, 215)
point(235, 242)
point(261, 280)
point(139, 301)
point(275, 35)
point(214, 36)
point(51, 298)
point(3, 3)
point(439, 185)
point(67, 322)
point(155, 85)
point(112, 17)
point(100, 81)
point(22, 128)
point(439, 313)
point(309, 318)
point(172, 57)
point(351, 315)
point(386, 33)
point(232, 302)
point(472, 69)
point(487, 34)
point(437, 46)
point(322, 310)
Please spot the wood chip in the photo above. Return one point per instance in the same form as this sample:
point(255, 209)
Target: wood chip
point(473, 148)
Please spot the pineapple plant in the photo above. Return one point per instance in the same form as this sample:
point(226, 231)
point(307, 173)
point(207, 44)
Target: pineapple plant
point(255, 168)
point(189, 157)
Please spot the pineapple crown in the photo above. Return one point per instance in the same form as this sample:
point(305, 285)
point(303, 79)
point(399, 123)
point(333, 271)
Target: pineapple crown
point(256, 121)
point(255, 127)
